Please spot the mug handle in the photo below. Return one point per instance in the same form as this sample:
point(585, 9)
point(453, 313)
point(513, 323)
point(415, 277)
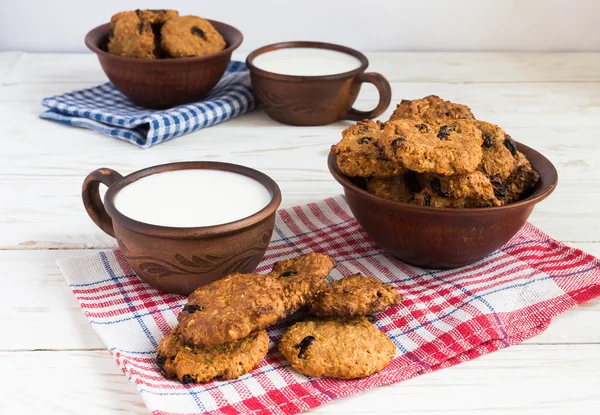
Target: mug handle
point(385, 96)
point(92, 200)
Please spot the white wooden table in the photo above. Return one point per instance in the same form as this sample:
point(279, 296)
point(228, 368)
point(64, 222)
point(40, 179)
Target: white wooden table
point(52, 361)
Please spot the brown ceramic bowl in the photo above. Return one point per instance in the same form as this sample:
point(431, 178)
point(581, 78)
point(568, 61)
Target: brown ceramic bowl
point(179, 260)
point(316, 100)
point(443, 238)
point(164, 83)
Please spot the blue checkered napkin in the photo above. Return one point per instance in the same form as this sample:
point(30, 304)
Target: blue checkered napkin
point(104, 109)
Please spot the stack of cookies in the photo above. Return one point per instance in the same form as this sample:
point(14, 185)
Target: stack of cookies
point(221, 331)
point(155, 34)
point(435, 153)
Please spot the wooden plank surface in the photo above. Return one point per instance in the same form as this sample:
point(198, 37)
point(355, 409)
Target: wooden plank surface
point(548, 101)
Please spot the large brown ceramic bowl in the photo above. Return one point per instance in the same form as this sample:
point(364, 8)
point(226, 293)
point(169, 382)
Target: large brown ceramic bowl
point(443, 238)
point(164, 83)
point(179, 260)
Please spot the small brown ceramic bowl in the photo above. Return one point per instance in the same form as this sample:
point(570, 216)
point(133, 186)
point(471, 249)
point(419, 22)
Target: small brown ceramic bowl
point(316, 100)
point(443, 238)
point(179, 260)
point(164, 83)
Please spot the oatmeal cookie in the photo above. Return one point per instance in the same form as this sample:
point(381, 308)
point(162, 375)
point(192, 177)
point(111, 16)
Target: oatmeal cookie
point(231, 308)
point(474, 185)
point(302, 278)
point(447, 149)
point(184, 36)
point(358, 155)
point(432, 109)
point(345, 348)
point(131, 36)
point(354, 295)
point(201, 364)
point(395, 188)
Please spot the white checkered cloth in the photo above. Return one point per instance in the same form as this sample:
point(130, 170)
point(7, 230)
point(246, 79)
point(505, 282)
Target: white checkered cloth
point(104, 109)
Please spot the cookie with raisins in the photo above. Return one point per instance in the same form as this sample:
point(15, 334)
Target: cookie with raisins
point(201, 364)
point(131, 36)
point(439, 148)
point(357, 153)
point(186, 36)
point(432, 109)
point(345, 348)
point(230, 309)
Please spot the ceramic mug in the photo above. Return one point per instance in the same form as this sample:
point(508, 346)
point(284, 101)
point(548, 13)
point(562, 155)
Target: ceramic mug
point(179, 260)
point(316, 100)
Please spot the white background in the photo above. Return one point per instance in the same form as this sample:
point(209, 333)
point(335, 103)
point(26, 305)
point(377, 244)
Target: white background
point(433, 25)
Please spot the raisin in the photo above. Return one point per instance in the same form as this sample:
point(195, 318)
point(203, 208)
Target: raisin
point(365, 128)
point(382, 126)
point(510, 144)
point(138, 12)
point(427, 199)
point(395, 141)
point(192, 308)
point(382, 158)
point(422, 128)
point(142, 26)
point(499, 187)
point(111, 33)
point(488, 140)
point(157, 10)
point(436, 185)
point(197, 31)
point(288, 273)
point(304, 345)
point(445, 130)
point(187, 379)
point(365, 140)
point(160, 362)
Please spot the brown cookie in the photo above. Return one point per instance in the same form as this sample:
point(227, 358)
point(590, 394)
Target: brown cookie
point(345, 348)
point(184, 36)
point(131, 36)
point(354, 295)
point(201, 364)
point(446, 149)
point(231, 308)
point(432, 109)
point(396, 188)
point(358, 155)
point(302, 278)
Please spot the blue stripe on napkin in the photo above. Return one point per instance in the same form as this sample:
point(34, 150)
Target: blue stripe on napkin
point(104, 109)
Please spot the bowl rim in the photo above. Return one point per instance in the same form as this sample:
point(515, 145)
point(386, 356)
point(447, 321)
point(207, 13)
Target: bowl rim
point(539, 195)
point(103, 29)
point(364, 62)
point(198, 231)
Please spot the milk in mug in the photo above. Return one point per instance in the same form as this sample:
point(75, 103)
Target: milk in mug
point(306, 62)
point(192, 198)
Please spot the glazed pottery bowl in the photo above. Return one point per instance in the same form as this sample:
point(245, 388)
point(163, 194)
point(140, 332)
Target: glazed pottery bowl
point(443, 238)
point(164, 83)
point(315, 100)
point(179, 260)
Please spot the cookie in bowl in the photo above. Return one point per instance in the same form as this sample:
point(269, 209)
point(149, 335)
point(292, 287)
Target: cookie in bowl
point(186, 36)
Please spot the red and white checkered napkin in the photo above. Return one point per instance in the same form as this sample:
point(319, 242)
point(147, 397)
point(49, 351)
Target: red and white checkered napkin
point(447, 317)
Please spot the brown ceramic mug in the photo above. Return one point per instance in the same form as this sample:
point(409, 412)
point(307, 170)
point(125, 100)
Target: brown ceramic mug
point(316, 100)
point(179, 260)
